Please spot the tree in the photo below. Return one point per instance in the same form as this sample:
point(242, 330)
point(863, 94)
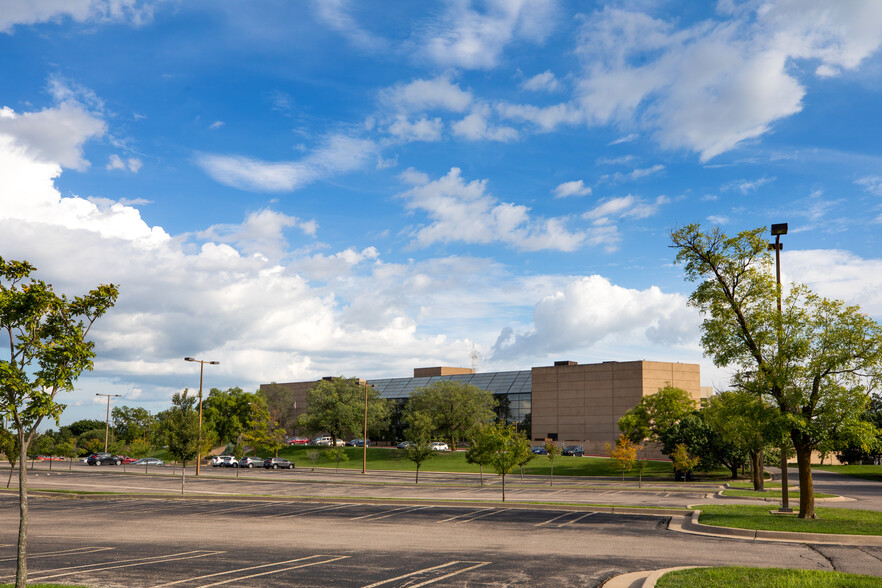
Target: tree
point(506, 447)
point(263, 430)
point(81, 426)
point(552, 450)
point(743, 420)
point(46, 336)
point(336, 407)
point(815, 360)
point(702, 440)
point(280, 402)
point(9, 446)
point(624, 454)
point(683, 462)
point(420, 449)
point(655, 413)
point(869, 450)
point(43, 445)
point(457, 409)
point(180, 430)
point(228, 412)
point(68, 451)
point(130, 423)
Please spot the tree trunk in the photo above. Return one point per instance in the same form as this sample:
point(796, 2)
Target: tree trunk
point(552, 473)
point(806, 487)
point(11, 471)
point(21, 570)
point(417, 475)
point(183, 471)
point(734, 469)
point(503, 487)
point(482, 473)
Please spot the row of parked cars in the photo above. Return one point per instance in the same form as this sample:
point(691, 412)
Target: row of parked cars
point(97, 459)
point(327, 441)
point(434, 445)
point(574, 450)
point(270, 463)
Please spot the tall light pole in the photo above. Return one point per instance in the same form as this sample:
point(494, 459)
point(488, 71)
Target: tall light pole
point(365, 438)
point(107, 422)
point(778, 230)
point(201, 363)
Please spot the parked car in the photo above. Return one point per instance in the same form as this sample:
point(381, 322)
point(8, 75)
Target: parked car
point(97, 459)
point(327, 440)
point(128, 460)
point(573, 450)
point(358, 443)
point(298, 441)
point(404, 445)
point(276, 463)
point(250, 462)
point(149, 461)
point(49, 458)
point(438, 446)
point(539, 450)
point(229, 462)
point(218, 460)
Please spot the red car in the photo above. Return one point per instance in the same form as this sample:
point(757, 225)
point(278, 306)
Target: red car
point(129, 459)
point(298, 441)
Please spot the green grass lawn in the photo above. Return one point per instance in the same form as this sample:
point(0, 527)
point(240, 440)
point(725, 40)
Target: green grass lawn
point(396, 460)
point(867, 472)
point(793, 494)
point(765, 578)
point(830, 520)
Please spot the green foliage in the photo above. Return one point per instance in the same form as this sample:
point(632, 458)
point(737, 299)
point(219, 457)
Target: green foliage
point(683, 462)
point(624, 453)
point(336, 407)
point(419, 431)
point(504, 448)
point(263, 431)
point(702, 440)
point(228, 412)
point(457, 410)
point(336, 455)
point(552, 450)
point(656, 413)
point(815, 359)
point(180, 427)
point(280, 403)
point(313, 455)
point(77, 428)
point(46, 334)
point(130, 423)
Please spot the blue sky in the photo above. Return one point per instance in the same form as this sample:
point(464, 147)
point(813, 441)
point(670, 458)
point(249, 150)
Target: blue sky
point(303, 189)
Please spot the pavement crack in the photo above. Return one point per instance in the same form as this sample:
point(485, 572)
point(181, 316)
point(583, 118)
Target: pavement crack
point(817, 549)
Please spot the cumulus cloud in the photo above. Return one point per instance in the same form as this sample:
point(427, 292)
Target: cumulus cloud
point(422, 129)
point(465, 211)
point(546, 118)
point(719, 83)
point(337, 154)
point(574, 188)
point(262, 233)
point(590, 310)
point(467, 37)
point(28, 12)
point(838, 274)
point(423, 95)
point(544, 82)
point(133, 164)
point(475, 127)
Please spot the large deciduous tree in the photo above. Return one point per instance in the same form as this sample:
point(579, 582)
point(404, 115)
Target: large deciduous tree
point(458, 410)
point(131, 423)
point(45, 335)
point(655, 413)
point(228, 412)
point(815, 360)
point(336, 407)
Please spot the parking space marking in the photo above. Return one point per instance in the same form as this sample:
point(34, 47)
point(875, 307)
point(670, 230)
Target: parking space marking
point(481, 516)
point(248, 505)
point(238, 570)
point(126, 563)
point(576, 520)
point(306, 565)
point(75, 550)
point(405, 512)
point(566, 514)
point(478, 564)
point(463, 515)
point(386, 513)
point(309, 510)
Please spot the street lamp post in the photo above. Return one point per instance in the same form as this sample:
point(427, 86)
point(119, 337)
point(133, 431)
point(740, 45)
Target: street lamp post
point(365, 438)
point(107, 422)
point(777, 231)
point(201, 363)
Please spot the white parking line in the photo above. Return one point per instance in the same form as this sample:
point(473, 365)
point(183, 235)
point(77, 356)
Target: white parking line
point(236, 571)
point(388, 513)
point(587, 514)
point(405, 512)
point(309, 510)
point(306, 565)
point(76, 550)
point(239, 507)
point(478, 564)
point(481, 516)
point(566, 514)
point(115, 565)
point(463, 515)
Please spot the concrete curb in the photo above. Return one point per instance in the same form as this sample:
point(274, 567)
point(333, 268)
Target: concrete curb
point(643, 579)
point(690, 524)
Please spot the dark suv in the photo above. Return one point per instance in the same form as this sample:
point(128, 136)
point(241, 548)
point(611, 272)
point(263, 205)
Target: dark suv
point(98, 459)
point(573, 450)
point(278, 462)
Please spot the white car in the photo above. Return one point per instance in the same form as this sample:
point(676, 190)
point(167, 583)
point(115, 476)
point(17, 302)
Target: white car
point(438, 446)
point(327, 441)
point(218, 460)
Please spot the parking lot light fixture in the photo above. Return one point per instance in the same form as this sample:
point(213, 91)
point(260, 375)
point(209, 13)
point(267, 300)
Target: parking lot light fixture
point(107, 422)
point(201, 363)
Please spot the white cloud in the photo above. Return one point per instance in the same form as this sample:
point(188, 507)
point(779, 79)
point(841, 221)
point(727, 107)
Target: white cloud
point(423, 95)
point(837, 274)
point(745, 186)
point(710, 87)
point(465, 212)
point(547, 118)
point(626, 139)
point(216, 124)
point(422, 129)
point(336, 14)
point(28, 12)
point(590, 310)
point(872, 184)
point(615, 160)
point(574, 188)
point(629, 206)
point(544, 82)
point(465, 37)
point(632, 175)
point(475, 127)
point(338, 154)
point(262, 233)
point(718, 220)
point(133, 164)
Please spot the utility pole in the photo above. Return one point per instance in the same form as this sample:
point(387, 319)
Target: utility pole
point(107, 422)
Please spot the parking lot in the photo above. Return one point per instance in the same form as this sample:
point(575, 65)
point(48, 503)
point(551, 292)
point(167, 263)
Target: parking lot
point(198, 542)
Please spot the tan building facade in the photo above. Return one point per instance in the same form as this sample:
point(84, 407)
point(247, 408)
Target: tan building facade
point(582, 404)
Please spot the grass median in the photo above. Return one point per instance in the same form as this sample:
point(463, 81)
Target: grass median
point(844, 521)
point(866, 472)
point(769, 494)
point(765, 578)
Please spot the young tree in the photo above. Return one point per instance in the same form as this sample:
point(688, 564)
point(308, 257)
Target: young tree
point(313, 455)
point(552, 450)
point(816, 359)
point(43, 445)
point(46, 334)
point(624, 454)
point(336, 407)
point(655, 413)
point(505, 446)
point(457, 409)
point(683, 462)
point(743, 420)
point(68, 451)
point(9, 447)
point(420, 449)
point(262, 430)
point(180, 430)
